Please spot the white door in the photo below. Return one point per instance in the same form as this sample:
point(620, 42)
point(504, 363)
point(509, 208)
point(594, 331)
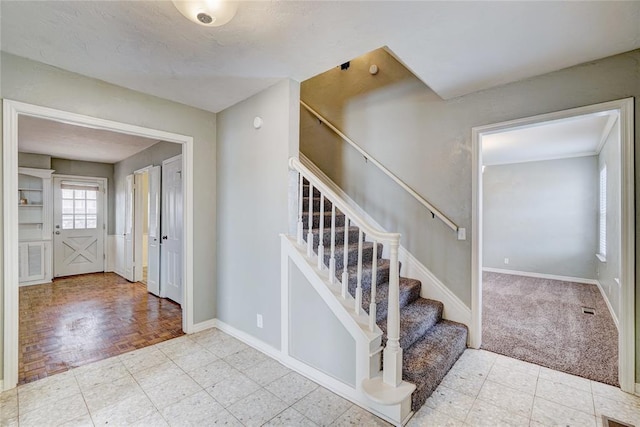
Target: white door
point(153, 242)
point(171, 246)
point(128, 229)
point(78, 233)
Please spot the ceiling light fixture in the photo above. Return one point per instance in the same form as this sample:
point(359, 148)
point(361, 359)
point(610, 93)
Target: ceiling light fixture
point(210, 13)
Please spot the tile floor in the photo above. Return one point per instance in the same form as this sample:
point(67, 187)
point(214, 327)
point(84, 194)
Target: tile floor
point(81, 319)
point(210, 378)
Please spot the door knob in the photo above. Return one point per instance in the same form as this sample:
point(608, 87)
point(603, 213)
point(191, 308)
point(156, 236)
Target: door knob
point(164, 237)
point(57, 232)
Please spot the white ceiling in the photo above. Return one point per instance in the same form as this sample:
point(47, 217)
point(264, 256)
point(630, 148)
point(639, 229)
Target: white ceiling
point(560, 139)
point(454, 47)
point(40, 136)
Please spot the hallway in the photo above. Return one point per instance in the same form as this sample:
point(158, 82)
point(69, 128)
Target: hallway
point(81, 319)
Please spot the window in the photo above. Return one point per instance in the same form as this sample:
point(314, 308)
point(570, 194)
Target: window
point(79, 205)
point(602, 220)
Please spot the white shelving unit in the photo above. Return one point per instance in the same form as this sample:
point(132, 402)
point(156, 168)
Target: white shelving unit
point(35, 226)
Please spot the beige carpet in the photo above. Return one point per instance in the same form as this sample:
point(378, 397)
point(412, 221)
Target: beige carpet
point(541, 321)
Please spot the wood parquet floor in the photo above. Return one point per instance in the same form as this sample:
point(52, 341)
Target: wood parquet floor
point(81, 319)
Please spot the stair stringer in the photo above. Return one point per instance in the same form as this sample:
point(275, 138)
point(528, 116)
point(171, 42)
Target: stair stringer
point(432, 287)
point(394, 407)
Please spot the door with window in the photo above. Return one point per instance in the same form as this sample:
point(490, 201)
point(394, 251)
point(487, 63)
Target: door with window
point(78, 226)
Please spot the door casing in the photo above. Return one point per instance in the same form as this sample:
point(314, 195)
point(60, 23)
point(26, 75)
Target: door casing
point(10, 113)
point(626, 333)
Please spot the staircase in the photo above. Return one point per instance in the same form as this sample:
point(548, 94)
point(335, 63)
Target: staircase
point(430, 345)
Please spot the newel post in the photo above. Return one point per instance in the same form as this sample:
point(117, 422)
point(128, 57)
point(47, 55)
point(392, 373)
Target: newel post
point(392, 366)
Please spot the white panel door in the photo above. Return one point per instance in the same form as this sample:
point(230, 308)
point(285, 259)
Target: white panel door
point(128, 229)
point(171, 247)
point(153, 242)
point(78, 236)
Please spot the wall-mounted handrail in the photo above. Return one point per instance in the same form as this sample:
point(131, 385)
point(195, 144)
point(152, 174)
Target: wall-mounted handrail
point(386, 171)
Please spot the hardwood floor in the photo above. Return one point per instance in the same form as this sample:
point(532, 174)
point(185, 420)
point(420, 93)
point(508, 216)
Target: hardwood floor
point(81, 319)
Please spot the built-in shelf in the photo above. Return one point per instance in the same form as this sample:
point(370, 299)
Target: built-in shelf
point(35, 225)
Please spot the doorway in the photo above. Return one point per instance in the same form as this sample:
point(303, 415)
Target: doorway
point(623, 110)
point(12, 112)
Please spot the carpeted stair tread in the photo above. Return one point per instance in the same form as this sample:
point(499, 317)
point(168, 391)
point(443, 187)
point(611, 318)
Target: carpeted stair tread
point(352, 257)
point(382, 274)
point(326, 241)
point(429, 359)
point(416, 319)
point(316, 204)
point(409, 292)
point(430, 344)
point(315, 223)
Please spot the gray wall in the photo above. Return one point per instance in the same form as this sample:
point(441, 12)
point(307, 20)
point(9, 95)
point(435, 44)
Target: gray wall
point(253, 207)
point(30, 160)
point(317, 337)
point(152, 156)
point(542, 216)
point(78, 168)
point(95, 169)
point(426, 141)
point(40, 84)
point(609, 270)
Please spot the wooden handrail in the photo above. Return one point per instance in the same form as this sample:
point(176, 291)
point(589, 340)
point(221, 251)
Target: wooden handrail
point(384, 170)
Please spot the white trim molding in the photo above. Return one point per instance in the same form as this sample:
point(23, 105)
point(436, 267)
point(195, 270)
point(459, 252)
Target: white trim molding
point(606, 300)
point(542, 275)
point(203, 326)
point(626, 339)
point(366, 342)
point(11, 112)
point(326, 381)
point(433, 288)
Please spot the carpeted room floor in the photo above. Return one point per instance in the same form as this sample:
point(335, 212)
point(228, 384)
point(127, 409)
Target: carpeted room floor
point(541, 321)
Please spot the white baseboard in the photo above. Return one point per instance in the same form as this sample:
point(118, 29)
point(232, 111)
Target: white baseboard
point(433, 288)
point(250, 340)
point(202, 326)
point(542, 275)
point(606, 300)
point(637, 389)
point(326, 381)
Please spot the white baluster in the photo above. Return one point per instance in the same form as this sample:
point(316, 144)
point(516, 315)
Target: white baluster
point(359, 275)
point(300, 203)
point(345, 274)
point(321, 235)
point(392, 365)
point(332, 259)
point(310, 234)
point(374, 276)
